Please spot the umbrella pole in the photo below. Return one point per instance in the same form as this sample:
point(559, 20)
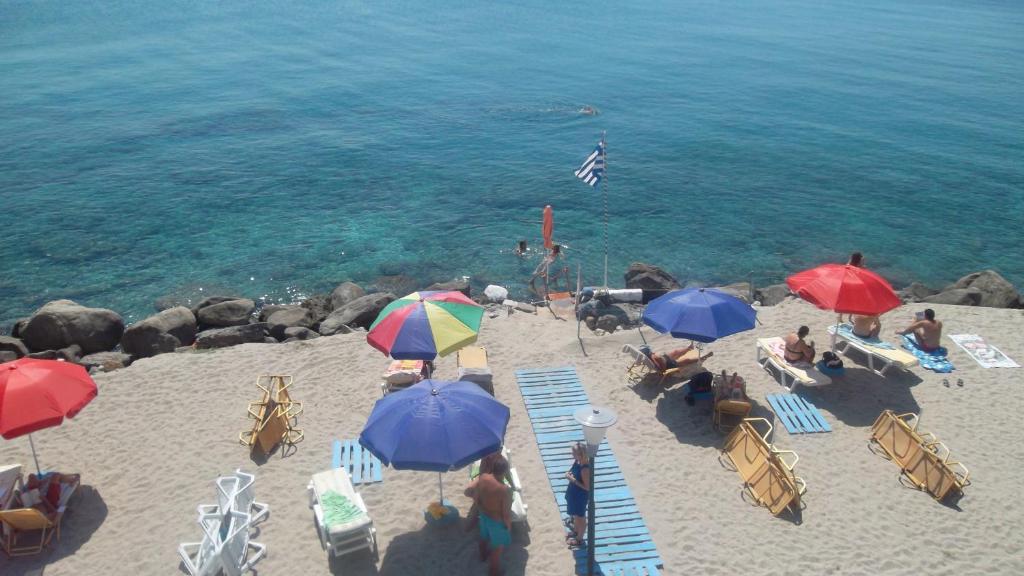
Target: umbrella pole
point(34, 457)
point(835, 333)
point(440, 487)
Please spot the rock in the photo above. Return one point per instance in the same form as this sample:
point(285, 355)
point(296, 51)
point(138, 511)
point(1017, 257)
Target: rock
point(290, 318)
point(345, 292)
point(996, 291)
point(320, 306)
point(13, 345)
point(7, 356)
point(160, 333)
point(455, 285)
point(740, 290)
point(495, 294)
point(227, 313)
point(299, 333)
point(43, 355)
point(270, 340)
point(526, 307)
point(270, 309)
point(106, 361)
point(772, 295)
point(916, 292)
point(360, 312)
point(607, 322)
point(210, 301)
point(61, 323)
point(70, 353)
point(958, 296)
point(223, 337)
point(17, 327)
point(645, 276)
point(184, 349)
point(395, 284)
point(599, 332)
point(591, 322)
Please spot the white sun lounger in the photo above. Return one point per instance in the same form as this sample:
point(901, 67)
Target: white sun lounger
point(344, 538)
point(10, 480)
point(789, 375)
point(519, 507)
point(236, 492)
point(885, 358)
point(225, 546)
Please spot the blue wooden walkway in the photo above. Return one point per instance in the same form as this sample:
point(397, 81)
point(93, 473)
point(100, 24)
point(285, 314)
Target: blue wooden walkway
point(362, 466)
point(624, 546)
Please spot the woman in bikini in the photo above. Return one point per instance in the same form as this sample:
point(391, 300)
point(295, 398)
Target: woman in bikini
point(796, 349)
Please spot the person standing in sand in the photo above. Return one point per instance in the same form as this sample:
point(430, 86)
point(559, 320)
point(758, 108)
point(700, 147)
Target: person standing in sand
point(577, 494)
point(866, 326)
point(493, 500)
point(927, 331)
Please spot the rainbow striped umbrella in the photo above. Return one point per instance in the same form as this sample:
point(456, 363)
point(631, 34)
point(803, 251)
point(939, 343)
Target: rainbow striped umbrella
point(424, 324)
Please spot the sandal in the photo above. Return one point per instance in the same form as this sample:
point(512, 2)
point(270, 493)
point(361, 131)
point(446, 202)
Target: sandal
point(572, 541)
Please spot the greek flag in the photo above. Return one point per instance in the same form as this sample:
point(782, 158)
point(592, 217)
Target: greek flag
point(593, 167)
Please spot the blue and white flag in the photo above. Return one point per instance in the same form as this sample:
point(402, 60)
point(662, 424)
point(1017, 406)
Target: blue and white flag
point(592, 169)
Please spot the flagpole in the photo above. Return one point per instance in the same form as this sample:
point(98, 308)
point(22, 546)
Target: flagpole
point(604, 145)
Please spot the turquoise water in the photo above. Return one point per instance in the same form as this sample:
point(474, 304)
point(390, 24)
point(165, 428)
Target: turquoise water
point(274, 149)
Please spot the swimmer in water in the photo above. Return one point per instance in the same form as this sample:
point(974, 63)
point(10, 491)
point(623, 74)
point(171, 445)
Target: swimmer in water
point(588, 111)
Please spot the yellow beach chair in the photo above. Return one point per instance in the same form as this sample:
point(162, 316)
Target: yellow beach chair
point(923, 459)
point(25, 523)
point(274, 416)
point(766, 475)
point(473, 367)
point(643, 367)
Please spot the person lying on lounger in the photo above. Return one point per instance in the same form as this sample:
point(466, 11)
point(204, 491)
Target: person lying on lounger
point(865, 326)
point(927, 331)
point(674, 359)
point(796, 349)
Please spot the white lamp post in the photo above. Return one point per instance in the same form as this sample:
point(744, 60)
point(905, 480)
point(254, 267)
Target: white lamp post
point(595, 421)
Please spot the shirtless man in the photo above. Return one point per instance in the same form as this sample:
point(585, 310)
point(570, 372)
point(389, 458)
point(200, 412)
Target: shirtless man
point(927, 332)
point(675, 358)
point(796, 349)
point(866, 326)
point(494, 501)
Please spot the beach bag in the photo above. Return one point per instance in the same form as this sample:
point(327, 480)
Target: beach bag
point(832, 361)
point(701, 383)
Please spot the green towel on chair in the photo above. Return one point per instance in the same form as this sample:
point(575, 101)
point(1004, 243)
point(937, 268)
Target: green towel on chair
point(338, 509)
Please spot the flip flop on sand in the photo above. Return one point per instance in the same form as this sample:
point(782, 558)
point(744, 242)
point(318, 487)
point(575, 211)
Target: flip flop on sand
point(945, 382)
point(960, 382)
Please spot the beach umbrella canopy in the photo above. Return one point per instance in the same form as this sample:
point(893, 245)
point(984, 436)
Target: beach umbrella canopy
point(38, 394)
point(548, 227)
point(424, 324)
point(700, 314)
point(845, 289)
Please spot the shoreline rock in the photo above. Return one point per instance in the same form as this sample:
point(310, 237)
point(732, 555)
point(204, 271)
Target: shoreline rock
point(61, 323)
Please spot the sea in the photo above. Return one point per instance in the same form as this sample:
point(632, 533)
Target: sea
point(175, 149)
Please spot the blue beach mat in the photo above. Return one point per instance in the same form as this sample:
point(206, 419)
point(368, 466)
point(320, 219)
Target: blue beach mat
point(623, 545)
point(936, 361)
point(846, 331)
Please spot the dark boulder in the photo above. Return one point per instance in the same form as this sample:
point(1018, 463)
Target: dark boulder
point(360, 312)
point(772, 295)
point(299, 333)
point(160, 333)
point(346, 292)
point(996, 291)
point(71, 353)
point(608, 322)
point(958, 296)
point(227, 313)
point(44, 355)
point(17, 327)
point(455, 285)
point(270, 309)
point(915, 292)
point(13, 345)
point(7, 356)
point(210, 301)
point(319, 305)
point(223, 337)
point(106, 361)
point(645, 276)
point(61, 323)
point(740, 290)
point(290, 318)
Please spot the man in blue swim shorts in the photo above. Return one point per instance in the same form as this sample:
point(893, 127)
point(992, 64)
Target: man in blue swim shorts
point(493, 499)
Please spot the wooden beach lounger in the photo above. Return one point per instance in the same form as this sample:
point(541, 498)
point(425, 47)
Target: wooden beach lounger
point(350, 534)
point(22, 523)
point(922, 458)
point(765, 473)
point(473, 367)
point(885, 358)
point(273, 416)
point(642, 367)
point(769, 357)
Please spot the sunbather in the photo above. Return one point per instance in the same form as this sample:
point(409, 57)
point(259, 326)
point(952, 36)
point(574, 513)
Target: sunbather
point(494, 501)
point(927, 331)
point(866, 326)
point(675, 358)
point(796, 349)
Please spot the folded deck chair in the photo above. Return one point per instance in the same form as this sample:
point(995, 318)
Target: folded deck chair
point(766, 475)
point(274, 418)
point(225, 548)
point(922, 458)
point(236, 492)
point(342, 521)
point(10, 481)
point(21, 524)
point(642, 367)
point(881, 357)
point(769, 355)
point(519, 508)
point(473, 367)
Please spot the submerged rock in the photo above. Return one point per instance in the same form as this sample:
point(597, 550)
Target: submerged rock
point(454, 285)
point(645, 276)
point(61, 323)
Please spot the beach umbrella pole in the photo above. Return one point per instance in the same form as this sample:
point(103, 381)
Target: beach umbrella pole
point(34, 457)
point(835, 333)
point(440, 487)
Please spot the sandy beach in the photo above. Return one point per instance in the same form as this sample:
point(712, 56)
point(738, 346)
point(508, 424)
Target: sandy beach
point(150, 445)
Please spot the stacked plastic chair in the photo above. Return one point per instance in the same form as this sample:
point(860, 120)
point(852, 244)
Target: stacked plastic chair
point(225, 548)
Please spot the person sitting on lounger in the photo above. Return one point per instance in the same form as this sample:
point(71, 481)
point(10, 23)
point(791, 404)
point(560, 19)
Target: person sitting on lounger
point(927, 331)
point(796, 349)
point(865, 326)
point(674, 359)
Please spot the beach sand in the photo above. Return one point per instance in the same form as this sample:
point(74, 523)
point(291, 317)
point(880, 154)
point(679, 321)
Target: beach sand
point(150, 445)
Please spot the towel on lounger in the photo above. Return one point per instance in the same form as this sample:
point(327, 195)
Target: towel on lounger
point(846, 331)
point(935, 360)
point(338, 509)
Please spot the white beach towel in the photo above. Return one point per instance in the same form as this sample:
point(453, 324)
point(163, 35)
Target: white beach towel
point(985, 354)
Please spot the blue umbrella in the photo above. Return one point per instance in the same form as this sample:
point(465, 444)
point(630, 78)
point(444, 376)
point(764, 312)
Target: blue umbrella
point(700, 314)
point(435, 426)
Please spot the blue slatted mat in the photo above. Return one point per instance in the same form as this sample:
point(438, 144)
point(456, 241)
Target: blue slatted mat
point(623, 544)
point(362, 466)
point(797, 414)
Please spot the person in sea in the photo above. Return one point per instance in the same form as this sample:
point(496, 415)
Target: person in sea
point(493, 501)
point(797, 350)
point(927, 331)
point(675, 358)
point(577, 495)
point(865, 326)
point(551, 272)
point(856, 259)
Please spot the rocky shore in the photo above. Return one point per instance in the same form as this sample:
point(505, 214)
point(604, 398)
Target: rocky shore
point(98, 339)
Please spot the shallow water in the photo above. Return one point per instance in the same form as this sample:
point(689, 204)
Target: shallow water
point(157, 148)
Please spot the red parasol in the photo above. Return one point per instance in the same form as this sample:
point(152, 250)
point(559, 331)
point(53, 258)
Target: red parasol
point(548, 227)
point(38, 394)
point(845, 289)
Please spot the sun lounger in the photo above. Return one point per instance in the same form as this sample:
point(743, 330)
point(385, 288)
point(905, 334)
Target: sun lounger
point(880, 359)
point(922, 458)
point(518, 506)
point(769, 356)
point(236, 492)
point(225, 548)
point(766, 474)
point(274, 416)
point(401, 374)
point(344, 528)
point(10, 481)
point(642, 367)
point(473, 367)
point(730, 400)
point(20, 524)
